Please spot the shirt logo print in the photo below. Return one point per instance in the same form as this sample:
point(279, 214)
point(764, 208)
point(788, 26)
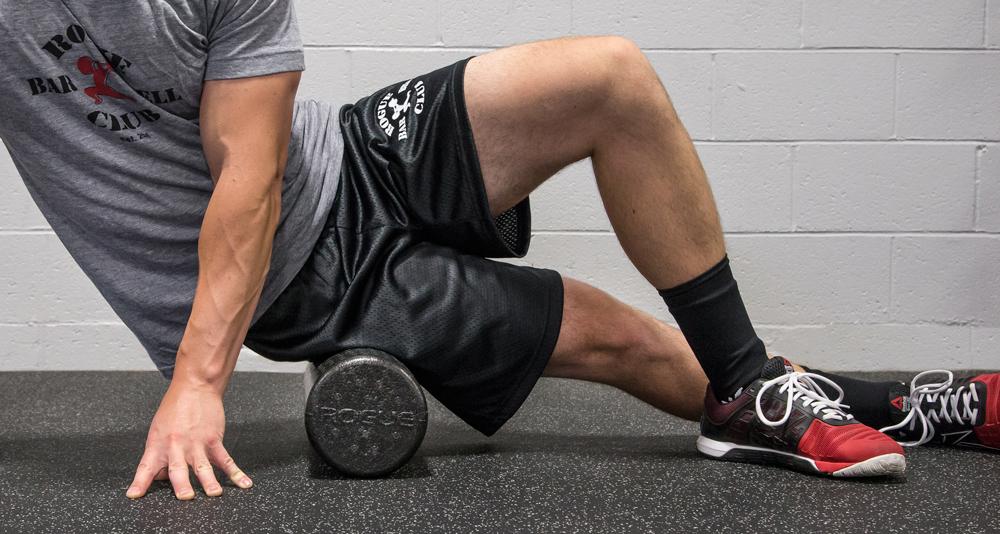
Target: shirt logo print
point(87, 65)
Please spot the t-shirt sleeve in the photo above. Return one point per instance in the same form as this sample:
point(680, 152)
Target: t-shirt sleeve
point(253, 38)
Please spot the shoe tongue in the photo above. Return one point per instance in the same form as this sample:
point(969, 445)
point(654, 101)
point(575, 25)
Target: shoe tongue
point(981, 394)
point(900, 404)
point(776, 367)
point(899, 401)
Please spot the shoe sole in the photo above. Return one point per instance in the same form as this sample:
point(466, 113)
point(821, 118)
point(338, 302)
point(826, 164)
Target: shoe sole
point(883, 465)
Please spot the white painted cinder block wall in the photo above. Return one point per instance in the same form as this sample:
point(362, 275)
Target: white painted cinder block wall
point(854, 147)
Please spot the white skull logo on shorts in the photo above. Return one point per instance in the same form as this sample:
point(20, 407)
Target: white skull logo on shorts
point(393, 116)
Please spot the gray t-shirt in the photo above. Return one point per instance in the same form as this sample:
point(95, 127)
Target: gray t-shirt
point(100, 116)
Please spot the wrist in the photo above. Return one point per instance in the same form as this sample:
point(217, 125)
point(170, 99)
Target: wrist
point(194, 382)
point(205, 374)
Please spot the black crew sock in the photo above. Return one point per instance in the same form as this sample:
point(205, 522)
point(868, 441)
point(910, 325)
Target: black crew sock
point(714, 320)
point(869, 401)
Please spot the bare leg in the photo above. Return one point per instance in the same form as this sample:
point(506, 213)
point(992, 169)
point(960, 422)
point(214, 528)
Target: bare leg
point(538, 107)
point(605, 340)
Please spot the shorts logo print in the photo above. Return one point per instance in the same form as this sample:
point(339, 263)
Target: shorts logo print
point(393, 110)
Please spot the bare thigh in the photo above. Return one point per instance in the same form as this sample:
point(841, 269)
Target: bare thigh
point(535, 108)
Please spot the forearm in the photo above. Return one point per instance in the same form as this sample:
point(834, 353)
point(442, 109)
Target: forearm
point(234, 251)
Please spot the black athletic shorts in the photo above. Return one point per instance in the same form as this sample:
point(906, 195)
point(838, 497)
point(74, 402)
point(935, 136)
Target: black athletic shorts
point(401, 264)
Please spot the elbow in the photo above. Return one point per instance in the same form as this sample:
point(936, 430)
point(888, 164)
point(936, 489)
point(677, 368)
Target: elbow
point(276, 181)
point(272, 183)
point(275, 201)
point(271, 203)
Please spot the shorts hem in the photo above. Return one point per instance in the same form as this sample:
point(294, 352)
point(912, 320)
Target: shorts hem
point(543, 353)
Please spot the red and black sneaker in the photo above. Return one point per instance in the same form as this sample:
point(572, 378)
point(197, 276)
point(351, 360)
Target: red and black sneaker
point(784, 418)
point(964, 412)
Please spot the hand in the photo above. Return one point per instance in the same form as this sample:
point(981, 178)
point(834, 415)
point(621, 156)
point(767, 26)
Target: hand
point(187, 431)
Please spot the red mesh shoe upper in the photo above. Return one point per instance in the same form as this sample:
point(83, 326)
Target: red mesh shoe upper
point(845, 443)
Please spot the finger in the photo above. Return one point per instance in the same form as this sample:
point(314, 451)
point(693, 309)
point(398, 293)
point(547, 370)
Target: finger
point(218, 455)
point(144, 475)
point(162, 475)
point(177, 470)
point(206, 475)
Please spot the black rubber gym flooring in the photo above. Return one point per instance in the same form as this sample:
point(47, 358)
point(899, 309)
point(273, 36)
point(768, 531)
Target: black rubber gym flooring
point(578, 457)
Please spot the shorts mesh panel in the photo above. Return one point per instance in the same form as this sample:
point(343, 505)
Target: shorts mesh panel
point(508, 226)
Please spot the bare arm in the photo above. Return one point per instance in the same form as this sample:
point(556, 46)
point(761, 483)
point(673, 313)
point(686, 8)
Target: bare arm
point(245, 128)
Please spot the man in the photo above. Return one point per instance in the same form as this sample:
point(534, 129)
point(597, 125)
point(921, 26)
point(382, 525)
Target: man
point(212, 209)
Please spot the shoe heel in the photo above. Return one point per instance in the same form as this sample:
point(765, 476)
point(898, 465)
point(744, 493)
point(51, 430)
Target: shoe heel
point(710, 447)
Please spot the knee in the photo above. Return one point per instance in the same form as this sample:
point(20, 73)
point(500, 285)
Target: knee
point(630, 81)
point(621, 54)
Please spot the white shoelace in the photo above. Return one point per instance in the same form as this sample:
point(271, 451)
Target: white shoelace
point(798, 385)
point(947, 409)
